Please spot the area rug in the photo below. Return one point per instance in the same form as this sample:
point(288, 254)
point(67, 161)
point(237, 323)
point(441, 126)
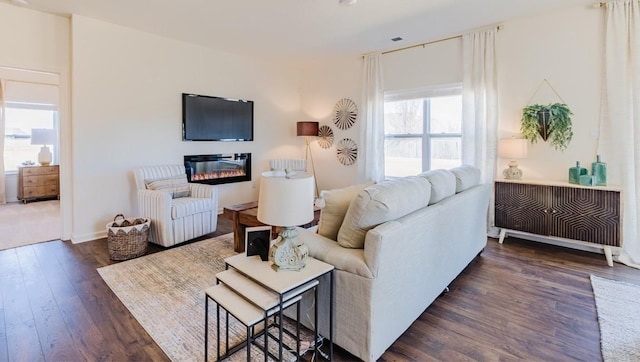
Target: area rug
point(165, 293)
point(618, 309)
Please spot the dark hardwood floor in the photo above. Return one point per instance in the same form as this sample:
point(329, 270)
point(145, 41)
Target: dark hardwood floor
point(518, 301)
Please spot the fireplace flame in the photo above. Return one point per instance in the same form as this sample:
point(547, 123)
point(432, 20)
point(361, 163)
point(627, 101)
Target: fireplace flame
point(218, 174)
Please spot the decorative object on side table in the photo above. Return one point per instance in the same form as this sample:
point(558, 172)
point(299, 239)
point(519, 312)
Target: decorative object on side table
point(44, 137)
point(258, 241)
point(599, 171)
point(286, 200)
point(512, 149)
point(576, 172)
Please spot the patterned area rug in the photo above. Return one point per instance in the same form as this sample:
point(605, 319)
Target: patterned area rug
point(618, 309)
point(165, 293)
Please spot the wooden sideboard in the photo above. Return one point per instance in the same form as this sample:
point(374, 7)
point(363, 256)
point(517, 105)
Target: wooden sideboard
point(36, 182)
point(572, 213)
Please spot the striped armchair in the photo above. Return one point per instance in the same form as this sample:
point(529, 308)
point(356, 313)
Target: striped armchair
point(179, 211)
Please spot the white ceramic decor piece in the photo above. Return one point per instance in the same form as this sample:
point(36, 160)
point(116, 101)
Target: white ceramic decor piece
point(345, 113)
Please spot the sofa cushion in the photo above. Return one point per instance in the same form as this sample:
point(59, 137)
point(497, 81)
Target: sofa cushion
point(466, 176)
point(379, 203)
point(336, 203)
point(186, 206)
point(176, 186)
point(443, 184)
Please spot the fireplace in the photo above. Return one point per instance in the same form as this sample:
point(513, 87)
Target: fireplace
point(218, 168)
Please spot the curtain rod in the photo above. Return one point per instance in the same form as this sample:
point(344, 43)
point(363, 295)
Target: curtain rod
point(499, 27)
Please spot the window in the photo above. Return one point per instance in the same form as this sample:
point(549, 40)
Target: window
point(423, 130)
point(28, 105)
point(19, 121)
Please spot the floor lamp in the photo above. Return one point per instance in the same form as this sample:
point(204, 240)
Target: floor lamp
point(309, 129)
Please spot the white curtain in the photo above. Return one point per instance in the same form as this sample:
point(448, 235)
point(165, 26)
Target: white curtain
point(619, 143)
point(371, 154)
point(480, 106)
point(3, 195)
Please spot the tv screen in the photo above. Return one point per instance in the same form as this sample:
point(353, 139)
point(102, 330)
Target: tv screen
point(216, 119)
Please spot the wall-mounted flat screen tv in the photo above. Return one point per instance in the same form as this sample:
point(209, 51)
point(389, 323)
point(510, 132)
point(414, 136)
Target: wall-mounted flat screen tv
point(207, 118)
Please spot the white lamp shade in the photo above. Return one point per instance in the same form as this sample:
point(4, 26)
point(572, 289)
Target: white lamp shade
point(512, 148)
point(285, 201)
point(43, 136)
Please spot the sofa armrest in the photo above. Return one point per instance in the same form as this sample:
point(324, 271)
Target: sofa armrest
point(329, 251)
point(378, 245)
point(156, 205)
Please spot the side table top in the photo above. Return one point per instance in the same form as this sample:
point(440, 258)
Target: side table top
point(281, 281)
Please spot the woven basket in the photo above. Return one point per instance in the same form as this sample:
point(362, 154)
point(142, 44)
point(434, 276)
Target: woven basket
point(127, 238)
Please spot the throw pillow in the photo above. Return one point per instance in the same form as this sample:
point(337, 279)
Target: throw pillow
point(443, 184)
point(176, 186)
point(466, 176)
point(336, 203)
point(376, 204)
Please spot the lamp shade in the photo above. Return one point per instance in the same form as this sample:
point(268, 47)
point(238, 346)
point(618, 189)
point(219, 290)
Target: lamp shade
point(285, 201)
point(512, 148)
point(307, 128)
point(43, 136)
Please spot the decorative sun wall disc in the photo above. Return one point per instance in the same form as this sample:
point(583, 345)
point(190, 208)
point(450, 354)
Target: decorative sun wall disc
point(325, 137)
point(345, 113)
point(347, 151)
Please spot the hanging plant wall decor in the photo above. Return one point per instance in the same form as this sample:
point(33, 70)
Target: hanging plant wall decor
point(550, 122)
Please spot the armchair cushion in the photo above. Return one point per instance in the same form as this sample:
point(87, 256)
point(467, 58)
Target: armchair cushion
point(176, 186)
point(186, 206)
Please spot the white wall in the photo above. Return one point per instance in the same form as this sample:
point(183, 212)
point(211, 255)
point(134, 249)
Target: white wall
point(37, 41)
point(564, 46)
point(127, 89)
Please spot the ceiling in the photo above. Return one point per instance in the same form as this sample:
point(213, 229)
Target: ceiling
point(302, 30)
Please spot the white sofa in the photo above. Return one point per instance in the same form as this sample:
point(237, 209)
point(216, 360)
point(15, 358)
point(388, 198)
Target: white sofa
point(179, 211)
point(418, 234)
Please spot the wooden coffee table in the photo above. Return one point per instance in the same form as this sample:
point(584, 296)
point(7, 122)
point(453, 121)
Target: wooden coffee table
point(246, 215)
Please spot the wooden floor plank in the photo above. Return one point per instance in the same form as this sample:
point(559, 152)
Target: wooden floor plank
point(520, 300)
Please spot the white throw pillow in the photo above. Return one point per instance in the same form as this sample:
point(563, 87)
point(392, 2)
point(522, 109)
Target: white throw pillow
point(176, 186)
point(443, 184)
point(466, 176)
point(336, 204)
point(380, 203)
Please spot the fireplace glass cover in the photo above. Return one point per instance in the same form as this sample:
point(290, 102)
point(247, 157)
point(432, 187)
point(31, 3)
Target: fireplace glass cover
point(218, 168)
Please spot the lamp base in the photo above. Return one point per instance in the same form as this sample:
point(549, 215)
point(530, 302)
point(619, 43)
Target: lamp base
point(513, 172)
point(288, 253)
point(45, 156)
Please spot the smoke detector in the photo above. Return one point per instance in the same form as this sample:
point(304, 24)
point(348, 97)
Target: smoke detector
point(347, 2)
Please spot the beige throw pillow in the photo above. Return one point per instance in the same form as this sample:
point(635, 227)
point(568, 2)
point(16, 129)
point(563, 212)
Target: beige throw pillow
point(380, 203)
point(336, 203)
point(176, 186)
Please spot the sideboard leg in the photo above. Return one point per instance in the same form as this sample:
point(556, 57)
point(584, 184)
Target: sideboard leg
point(503, 234)
point(608, 255)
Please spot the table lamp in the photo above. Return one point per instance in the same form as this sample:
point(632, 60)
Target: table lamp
point(512, 149)
point(44, 137)
point(286, 200)
point(308, 129)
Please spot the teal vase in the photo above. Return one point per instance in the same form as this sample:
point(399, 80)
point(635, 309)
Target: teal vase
point(576, 172)
point(599, 171)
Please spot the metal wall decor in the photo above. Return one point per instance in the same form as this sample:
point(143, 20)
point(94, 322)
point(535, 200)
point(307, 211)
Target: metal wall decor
point(345, 113)
point(325, 137)
point(347, 151)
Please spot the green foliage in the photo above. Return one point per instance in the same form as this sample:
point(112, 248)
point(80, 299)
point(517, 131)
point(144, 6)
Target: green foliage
point(559, 131)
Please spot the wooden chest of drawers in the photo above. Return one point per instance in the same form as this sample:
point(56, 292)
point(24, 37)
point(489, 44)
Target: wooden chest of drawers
point(36, 182)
